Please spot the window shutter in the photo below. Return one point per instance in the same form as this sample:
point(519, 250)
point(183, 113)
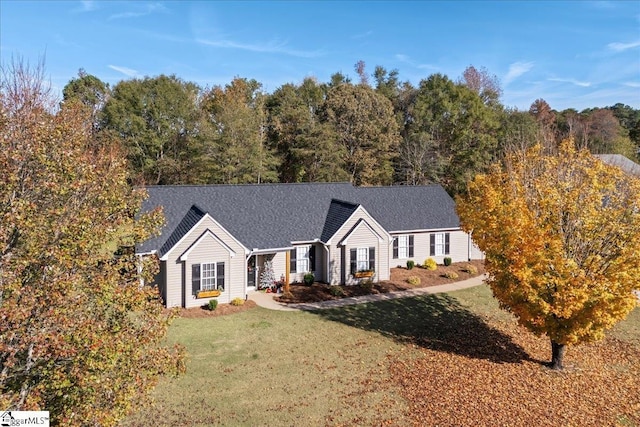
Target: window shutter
point(292, 260)
point(410, 246)
point(432, 244)
point(446, 243)
point(312, 258)
point(395, 248)
point(220, 276)
point(354, 262)
point(372, 258)
point(195, 278)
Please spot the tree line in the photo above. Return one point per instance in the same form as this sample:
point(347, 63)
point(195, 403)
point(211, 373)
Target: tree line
point(377, 130)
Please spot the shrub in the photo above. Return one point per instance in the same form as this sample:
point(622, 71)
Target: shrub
point(336, 290)
point(410, 264)
point(237, 301)
point(451, 275)
point(471, 269)
point(413, 280)
point(367, 285)
point(430, 264)
point(213, 304)
point(447, 261)
point(309, 278)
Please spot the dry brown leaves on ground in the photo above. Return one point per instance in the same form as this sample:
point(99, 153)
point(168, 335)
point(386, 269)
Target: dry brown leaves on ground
point(600, 387)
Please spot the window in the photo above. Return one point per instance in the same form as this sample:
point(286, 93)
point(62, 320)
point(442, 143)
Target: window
point(362, 259)
point(302, 259)
point(439, 244)
point(403, 247)
point(207, 276)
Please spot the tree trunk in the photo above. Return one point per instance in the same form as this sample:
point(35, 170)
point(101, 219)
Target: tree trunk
point(557, 355)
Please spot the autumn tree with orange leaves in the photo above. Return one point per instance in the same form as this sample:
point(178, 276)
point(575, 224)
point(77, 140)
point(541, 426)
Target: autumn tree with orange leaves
point(561, 234)
point(79, 336)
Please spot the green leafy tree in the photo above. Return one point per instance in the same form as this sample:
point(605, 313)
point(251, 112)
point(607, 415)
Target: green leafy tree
point(455, 130)
point(364, 126)
point(561, 235)
point(89, 91)
point(518, 131)
point(307, 147)
point(235, 134)
point(79, 336)
point(158, 119)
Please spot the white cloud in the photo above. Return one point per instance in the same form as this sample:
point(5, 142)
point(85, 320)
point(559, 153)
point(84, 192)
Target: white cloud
point(88, 5)
point(619, 47)
point(572, 81)
point(147, 9)
point(516, 70)
point(124, 70)
point(632, 84)
point(272, 47)
point(362, 35)
point(404, 58)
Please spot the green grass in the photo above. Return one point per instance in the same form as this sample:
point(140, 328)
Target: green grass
point(266, 368)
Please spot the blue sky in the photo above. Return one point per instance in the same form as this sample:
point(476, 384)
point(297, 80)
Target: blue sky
point(572, 54)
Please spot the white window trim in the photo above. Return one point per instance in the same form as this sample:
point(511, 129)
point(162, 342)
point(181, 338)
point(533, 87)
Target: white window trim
point(211, 267)
point(302, 259)
point(403, 246)
point(362, 264)
point(440, 244)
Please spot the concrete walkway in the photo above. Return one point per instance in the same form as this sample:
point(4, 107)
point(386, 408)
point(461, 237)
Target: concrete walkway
point(266, 300)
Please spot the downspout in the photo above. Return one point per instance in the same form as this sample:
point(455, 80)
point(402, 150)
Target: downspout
point(139, 266)
point(287, 268)
point(246, 278)
point(328, 270)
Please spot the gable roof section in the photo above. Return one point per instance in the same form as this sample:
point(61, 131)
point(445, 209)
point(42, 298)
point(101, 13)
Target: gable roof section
point(620, 161)
point(361, 223)
point(207, 233)
point(191, 218)
point(339, 212)
point(265, 216)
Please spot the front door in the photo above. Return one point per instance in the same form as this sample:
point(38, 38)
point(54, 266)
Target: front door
point(251, 273)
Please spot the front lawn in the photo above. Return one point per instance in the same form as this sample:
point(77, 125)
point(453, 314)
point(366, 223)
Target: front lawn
point(444, 359)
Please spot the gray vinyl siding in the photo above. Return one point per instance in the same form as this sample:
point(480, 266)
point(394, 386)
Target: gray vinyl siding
point(320, 266)
point(360, 237)
point(335, 267)
point(179, 291)
point(458, 248)
point(475, 252)
point(279, 264)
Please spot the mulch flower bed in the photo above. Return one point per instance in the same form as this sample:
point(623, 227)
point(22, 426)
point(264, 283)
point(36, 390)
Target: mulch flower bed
point(221, 310)
point(301, 293)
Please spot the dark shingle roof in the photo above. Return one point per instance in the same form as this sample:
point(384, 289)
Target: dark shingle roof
point(266, 216)
point(194, 214)
point(339, 212)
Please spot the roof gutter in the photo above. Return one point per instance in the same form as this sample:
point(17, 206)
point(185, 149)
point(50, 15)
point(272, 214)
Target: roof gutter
point(257, 251)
